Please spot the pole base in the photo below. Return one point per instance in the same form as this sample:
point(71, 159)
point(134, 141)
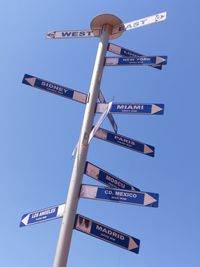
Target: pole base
point(99, 21)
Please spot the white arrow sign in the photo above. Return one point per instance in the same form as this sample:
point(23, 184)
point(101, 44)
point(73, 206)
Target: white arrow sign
point(140, 23)
point(72, 34)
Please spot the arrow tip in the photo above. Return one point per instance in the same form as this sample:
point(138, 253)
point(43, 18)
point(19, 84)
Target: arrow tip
point(161, 16)
point(51, 34)
point(156, 109)
point(30, 81)
point(148, 150)
point(133, 245)
point(24, 220)
point(160, 60)
point(148, 199)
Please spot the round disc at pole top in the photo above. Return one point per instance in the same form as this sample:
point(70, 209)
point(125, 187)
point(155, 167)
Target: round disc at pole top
point(99, 21)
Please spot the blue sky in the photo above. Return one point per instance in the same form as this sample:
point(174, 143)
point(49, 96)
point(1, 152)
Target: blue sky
point(39, 131)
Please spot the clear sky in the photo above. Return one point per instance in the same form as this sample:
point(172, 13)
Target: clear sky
point(39, 131)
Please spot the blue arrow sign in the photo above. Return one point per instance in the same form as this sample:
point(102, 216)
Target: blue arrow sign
point(43, 215)
point(135, 61)
point(107, 234)
point(130, 108)
point(125, 142)
point(107, 178)
point(121, 196)
point(54, 88)
point(118, 50)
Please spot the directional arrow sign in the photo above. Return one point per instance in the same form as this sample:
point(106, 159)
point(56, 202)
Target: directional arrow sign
point(140, 23)
point(118, 50)
point(107, 178)
point(135, 61)
point(54, 88)
point(105, 233)
point(119, 195)
point(125, 142)
point(130, 108)
point(110, 116)
point(42, 215)
point(72, 34)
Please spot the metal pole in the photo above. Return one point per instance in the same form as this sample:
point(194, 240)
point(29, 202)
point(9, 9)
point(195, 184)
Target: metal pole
point(64, 240)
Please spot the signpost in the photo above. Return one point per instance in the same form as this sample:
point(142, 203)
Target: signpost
point(107, 234)
point(106, 27)
point(119, 195)
point(130, 108)
point(43, 215)
point(107, 178)
point(107, 22)
point(125, 142)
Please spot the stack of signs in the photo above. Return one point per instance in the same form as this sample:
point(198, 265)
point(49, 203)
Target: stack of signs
point(129, 57)
point(116, 190)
